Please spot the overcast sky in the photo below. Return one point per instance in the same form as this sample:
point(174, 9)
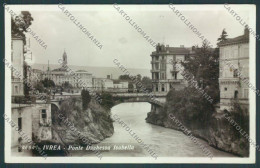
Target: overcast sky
point(119, 39)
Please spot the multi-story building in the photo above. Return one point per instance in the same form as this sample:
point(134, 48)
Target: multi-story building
point(233, 68)
point(120, 86)
point(62, 75)
point(34, 120)
point(17, 59)
point(102, 84)
point(165, 59)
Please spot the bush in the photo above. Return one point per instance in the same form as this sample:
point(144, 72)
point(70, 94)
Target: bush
point(85, 96)
point(189, 107)
point(107, 100)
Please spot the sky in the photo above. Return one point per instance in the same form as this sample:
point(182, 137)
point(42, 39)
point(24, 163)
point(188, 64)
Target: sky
point(119, 39)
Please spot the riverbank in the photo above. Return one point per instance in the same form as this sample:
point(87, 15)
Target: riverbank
point(165, 142)
point(219, 134)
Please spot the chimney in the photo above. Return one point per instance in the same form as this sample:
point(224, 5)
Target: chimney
point(182, 46)
point(108, 76)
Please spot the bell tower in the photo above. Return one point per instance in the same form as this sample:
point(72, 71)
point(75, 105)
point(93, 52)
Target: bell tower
point(64, 59)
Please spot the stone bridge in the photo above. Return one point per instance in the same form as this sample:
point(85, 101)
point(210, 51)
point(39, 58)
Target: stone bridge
point(157, 102)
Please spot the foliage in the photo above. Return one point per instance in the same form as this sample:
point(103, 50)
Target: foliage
point(124, 77)
point(240, 117)
point(20, 23)
point(48, 83)
point(204, 66)
point(86, 98)
point(189, 109)
point(67, 85)
point(223, 36)
point(107, 100)
point(147, 83)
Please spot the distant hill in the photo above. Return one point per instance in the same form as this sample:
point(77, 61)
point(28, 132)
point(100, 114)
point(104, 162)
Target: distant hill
point(99, 72)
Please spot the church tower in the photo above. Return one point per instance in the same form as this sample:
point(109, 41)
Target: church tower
point(64, 58)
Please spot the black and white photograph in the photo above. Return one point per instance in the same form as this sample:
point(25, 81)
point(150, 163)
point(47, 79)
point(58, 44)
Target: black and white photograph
point(130, 83)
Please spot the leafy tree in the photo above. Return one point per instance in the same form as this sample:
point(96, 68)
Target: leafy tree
point(204, 67)
point(86, 98)
point(125, 77)
point(107, 100)
point(67, 85)
point(39, 86)
point(48, 83)
point(130, 87)
point(147, 83)
point(20, 23)
point(223, 36)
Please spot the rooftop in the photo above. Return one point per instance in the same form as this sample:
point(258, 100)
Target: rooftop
point(172, 50)
point(240, 39)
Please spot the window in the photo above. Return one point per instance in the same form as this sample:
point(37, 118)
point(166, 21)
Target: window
point(163, 66)
point(156, 66)
point(163, 89)
point(162, 76)
point(235, 73)
point(44, 115)
point(236, 94)
point(19, 123)
point(156, 88)
point(16, 89)
point(175, 75)
point(225, 89)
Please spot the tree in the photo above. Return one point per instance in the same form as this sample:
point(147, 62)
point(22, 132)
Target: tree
point(204, 67)
point(39, 86)
point(20, 24)
point(48, 83)
point(147, 83)
point(107, 100)
point(124, 77)
point(130, 87)
point(223, 36)
point(86, 98)
point(67, 85)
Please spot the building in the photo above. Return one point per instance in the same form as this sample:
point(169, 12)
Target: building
point(17, 59)
point(102, 84)
point(34, 75)
point(120, 86)
point(165, 76)
point(233, 66)
point(35, 122)
point(63, 74)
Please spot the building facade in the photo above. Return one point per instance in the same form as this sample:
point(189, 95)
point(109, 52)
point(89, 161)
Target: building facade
point(62, 75)
point(165, 75)
point(17, 59)
point(234, 71)
point(35, 122)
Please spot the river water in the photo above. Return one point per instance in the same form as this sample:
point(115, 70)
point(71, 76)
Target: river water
point(164, 142)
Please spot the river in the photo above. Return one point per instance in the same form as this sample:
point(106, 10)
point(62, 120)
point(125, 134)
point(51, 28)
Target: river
point(164, 141)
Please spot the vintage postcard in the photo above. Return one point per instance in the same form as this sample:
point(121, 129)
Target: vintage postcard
point(130, 83)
